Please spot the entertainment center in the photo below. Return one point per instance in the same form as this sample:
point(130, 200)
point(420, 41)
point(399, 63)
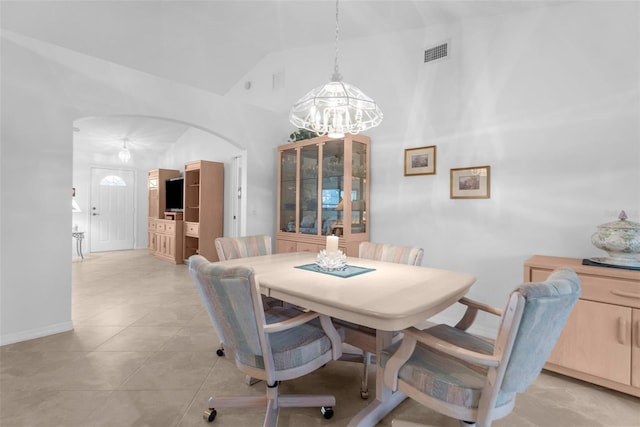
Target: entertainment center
point(185, 212)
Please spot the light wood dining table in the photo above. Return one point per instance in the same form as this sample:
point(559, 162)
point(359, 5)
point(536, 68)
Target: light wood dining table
point(389, 298)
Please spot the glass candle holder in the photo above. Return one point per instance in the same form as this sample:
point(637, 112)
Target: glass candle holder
point(336, 260)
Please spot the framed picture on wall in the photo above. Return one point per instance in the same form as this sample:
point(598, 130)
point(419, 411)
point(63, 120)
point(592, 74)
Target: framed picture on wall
point(420, 161)
point(471, 183)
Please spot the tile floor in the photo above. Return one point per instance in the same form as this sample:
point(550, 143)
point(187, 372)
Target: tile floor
point(143, 354)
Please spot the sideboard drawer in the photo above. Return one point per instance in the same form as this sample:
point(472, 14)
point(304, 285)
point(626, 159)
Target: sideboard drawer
point(610, 290)
point(192, 229)
point(170, 227)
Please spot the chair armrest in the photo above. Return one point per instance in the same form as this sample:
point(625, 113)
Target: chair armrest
point(397, 360)
point(480, 306)
point(332, 333)
point(411, 337)
point(325, 321)
point(472, 311)
point(452, 350)
point(290, 323)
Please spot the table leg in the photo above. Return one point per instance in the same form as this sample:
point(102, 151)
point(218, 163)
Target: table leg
point(385, 400)
point(79, 247)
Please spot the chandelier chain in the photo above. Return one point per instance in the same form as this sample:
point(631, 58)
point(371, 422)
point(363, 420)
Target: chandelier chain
point(336, 73)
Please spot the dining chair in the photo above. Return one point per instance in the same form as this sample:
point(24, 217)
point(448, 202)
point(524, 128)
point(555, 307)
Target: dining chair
point(272, 344)
point(473, 379)
point(362, 337)
point(243, 247)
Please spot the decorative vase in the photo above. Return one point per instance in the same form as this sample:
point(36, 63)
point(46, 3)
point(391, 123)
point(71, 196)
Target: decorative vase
point(621, 240)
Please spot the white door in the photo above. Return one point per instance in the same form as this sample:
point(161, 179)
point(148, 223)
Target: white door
point(112, 209)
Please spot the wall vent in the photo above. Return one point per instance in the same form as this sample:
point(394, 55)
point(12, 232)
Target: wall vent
point(435, 53)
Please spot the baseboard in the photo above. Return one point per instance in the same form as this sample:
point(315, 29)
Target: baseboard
point(36, 333)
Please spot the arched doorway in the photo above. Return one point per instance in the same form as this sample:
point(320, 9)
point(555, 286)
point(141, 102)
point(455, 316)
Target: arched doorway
point(153, 142)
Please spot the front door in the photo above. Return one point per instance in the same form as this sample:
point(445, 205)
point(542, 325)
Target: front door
point(112, 209)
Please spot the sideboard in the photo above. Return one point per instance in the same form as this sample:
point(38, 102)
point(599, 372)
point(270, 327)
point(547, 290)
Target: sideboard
point(600, 342)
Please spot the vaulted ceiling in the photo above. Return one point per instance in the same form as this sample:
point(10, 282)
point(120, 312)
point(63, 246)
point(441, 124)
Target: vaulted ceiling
point(212, 44)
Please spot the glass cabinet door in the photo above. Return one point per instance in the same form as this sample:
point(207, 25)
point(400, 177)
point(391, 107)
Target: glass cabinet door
point(359, 188)
point(309, 189)
point(288, 196)
point(333, 188)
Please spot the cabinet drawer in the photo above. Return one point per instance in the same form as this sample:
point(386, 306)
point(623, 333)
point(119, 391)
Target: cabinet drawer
point(610, 290)
point(160, 227)
point(170, 227)
point(285, 246)
point(153, 225)
point(307, 247)
point(191, 229)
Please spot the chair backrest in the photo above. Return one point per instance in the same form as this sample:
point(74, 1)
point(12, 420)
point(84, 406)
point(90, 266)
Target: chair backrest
point(243, 247)
point(540, 311)
point(391, 253)
point(233, 302)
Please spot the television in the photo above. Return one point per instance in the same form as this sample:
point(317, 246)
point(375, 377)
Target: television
point(174, 192)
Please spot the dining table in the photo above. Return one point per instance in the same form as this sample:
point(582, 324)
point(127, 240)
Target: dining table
point(384, 296)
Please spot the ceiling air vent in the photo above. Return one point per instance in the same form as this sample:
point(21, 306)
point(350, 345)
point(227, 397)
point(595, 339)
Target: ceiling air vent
point(437, 52)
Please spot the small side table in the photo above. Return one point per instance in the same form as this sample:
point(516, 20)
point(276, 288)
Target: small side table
point(79, 236)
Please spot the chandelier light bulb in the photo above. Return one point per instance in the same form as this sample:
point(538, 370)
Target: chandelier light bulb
point(124, 154)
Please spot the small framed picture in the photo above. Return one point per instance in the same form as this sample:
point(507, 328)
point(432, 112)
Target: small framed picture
point(471, 183)
point(420, 161)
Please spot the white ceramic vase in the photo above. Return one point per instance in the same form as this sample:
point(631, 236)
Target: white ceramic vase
point(620, 239)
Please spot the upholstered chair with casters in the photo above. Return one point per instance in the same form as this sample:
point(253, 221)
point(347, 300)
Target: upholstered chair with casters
point(362, 337)
point(243, 247)
point(475, 380)
point(270, 344)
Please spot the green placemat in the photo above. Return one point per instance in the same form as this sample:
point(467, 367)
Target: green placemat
point(347, 271)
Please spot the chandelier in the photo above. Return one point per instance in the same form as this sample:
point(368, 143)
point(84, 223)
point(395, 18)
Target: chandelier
point(337, 107)
point(124, 154)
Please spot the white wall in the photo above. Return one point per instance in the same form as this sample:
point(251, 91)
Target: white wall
point(549, 98)
point(44, 90)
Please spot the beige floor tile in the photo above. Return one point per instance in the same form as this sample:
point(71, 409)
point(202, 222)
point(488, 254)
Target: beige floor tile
point(50, 408)
point(140, 338)
point(193, 338)
point(134, 408)
point(172, 371)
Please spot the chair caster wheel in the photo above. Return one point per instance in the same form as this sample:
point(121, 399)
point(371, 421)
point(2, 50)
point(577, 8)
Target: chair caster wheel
point(210, 414)
point(364, 394)
point(220, 352)
point(327, 412)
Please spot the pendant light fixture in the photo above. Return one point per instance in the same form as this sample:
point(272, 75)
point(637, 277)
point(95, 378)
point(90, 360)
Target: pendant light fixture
point(124, 154)
point(337, 107)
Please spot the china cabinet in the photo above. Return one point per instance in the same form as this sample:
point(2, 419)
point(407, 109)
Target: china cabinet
point(203, 208)
point(323, 189)
point(600, 342)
